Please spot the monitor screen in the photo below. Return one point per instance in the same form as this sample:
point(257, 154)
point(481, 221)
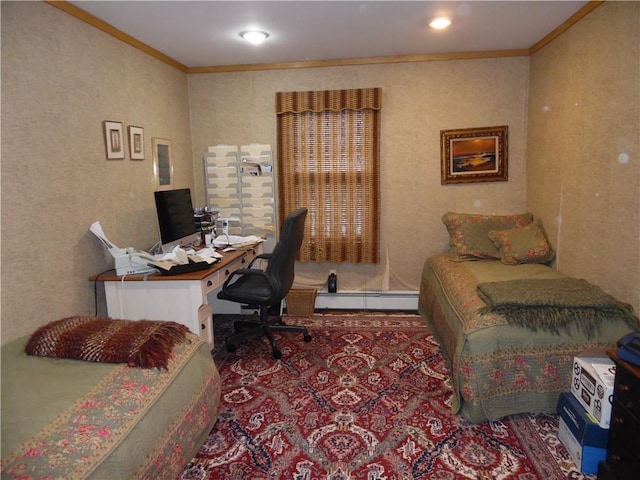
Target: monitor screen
point(175, 218)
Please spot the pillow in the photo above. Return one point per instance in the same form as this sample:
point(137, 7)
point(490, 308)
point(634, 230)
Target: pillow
point(526, 244)
point(138, 343)
point(468, 233)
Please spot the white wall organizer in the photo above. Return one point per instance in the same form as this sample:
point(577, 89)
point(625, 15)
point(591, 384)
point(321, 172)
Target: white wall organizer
point(240, 184)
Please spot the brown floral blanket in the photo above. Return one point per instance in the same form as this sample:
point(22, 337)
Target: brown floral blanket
point(550, 304)
point(140, 343)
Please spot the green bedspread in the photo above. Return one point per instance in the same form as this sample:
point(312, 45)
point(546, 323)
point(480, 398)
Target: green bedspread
point(76, 419)
point(499, 368)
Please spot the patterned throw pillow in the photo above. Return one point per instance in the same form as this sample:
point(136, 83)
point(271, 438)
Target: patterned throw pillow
point(528, 244)
point(468, 233)
point(139, 343)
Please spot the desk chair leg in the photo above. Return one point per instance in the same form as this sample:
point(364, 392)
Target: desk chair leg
point(291, 328)
point(275, 351)
point(265, 328)
point(240, 325)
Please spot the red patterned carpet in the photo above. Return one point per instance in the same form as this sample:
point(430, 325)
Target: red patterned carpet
point(368, 398)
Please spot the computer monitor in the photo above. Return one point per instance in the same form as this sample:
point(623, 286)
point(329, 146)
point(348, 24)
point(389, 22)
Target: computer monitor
point(175, 218)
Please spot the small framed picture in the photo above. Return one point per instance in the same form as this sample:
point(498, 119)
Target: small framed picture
point(136, 142)
point(162, 163)
point(113, 140)
point(472, 155)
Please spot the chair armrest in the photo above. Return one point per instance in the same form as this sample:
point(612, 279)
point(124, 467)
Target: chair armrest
point(242, 272)
point(262, 256)
point(247, 271)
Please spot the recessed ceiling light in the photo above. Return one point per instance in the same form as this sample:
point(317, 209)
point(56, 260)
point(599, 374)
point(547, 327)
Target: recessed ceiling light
point(440, 23)
point(254, 36)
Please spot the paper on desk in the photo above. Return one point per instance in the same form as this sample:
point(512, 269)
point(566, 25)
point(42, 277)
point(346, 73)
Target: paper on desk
point(179, 256)
point(208, 254)
point(236, 240)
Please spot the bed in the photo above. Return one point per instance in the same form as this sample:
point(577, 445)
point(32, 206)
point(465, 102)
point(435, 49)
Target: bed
point(500, 367)
point(67, 418)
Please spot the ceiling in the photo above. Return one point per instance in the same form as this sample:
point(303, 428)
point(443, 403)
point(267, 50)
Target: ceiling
point(206, 33)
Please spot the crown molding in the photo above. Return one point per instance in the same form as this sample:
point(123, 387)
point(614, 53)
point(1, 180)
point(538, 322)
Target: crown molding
point(114, 32)
point(342, 62)
point(572, 20)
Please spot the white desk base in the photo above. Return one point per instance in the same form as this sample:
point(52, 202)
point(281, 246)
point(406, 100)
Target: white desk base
point(179, 298)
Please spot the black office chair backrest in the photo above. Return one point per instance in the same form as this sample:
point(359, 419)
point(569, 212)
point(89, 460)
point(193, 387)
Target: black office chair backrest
point(281, 265)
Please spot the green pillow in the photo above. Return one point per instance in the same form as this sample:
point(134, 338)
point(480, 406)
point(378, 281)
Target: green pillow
point(468, 233)
point(528, 244)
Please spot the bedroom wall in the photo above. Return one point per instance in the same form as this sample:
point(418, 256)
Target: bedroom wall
point(583, 158)
point(419, 99)
point(60, 79)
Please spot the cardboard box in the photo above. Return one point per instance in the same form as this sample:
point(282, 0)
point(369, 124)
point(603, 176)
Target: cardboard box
point(585, 457)
point(592, 384)
point(581, 426)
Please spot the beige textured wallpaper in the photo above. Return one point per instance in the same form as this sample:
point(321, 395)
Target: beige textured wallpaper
point(60, 79)
point(419, 99)
point(583, 159)
point(571, 122)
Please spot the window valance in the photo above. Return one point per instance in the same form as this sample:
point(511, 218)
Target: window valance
point(329, 100)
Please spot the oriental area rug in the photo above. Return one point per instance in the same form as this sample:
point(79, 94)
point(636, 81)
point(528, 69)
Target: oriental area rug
point(368, 398)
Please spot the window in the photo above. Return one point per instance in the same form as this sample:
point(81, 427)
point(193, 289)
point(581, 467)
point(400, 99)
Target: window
point(328, 161)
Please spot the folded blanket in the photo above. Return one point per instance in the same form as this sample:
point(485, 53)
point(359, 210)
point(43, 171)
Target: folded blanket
point(552, 304)
point(140, 343)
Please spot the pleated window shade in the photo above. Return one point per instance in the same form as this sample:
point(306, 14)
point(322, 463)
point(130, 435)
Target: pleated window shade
point(329, 162)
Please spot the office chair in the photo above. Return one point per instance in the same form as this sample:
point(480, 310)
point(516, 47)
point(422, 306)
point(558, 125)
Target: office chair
point(269, 286)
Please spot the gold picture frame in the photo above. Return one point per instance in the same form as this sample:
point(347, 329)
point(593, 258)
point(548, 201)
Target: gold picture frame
point(136, 142)
point(113, 140)
point(471, 155)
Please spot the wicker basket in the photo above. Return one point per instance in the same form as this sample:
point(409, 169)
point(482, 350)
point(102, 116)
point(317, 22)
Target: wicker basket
point(301, 302)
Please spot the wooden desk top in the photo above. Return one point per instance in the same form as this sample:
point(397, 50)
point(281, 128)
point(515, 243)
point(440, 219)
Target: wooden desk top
point(227, 258)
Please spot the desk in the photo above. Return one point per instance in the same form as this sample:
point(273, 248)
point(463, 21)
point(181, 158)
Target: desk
point(179, 298)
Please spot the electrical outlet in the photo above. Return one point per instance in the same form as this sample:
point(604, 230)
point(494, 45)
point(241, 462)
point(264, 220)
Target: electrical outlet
point(333, 271)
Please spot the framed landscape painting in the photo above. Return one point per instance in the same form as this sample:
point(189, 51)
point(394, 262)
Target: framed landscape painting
point(472, 155)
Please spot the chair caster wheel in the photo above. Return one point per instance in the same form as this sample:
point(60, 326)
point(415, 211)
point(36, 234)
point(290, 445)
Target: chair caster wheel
point(277, 354)
point(307, 337)
point(231, 347)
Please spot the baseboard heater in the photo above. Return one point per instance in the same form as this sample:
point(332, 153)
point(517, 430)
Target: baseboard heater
point(357, 300)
